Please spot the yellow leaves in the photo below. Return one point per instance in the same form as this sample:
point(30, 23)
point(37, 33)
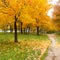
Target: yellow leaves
point(16, 5)
point(57, 44)
point(15, 49)
point(35, 45)
point(13, 2)
point(29, 11)
point(1, 4)
point(8, 0)
point(10, 59)
point(10, 12)
point(24, 49)
point(29, 2)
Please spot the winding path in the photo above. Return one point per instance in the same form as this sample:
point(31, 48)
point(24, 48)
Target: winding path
point(54, 52)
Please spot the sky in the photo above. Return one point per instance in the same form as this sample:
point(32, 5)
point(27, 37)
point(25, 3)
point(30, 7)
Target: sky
point(53, 2)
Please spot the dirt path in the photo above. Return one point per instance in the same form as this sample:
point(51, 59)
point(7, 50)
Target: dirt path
point(54, 52)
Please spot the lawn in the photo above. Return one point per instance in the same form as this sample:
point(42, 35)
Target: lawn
point(29, 47)
point(58, 40)
point(10, 37)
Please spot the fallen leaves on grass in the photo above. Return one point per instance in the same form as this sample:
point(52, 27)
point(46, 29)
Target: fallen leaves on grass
point(23, 50)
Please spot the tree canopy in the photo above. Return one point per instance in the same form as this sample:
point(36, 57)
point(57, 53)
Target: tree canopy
point(26, 13)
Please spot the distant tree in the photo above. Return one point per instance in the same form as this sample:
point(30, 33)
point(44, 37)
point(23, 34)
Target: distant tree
point(56, 15)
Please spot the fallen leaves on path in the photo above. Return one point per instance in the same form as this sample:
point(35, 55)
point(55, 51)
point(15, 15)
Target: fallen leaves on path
point(58, 44)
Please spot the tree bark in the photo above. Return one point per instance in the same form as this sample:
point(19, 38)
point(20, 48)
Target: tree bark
point(28, 30)
point(37, 30)
point(24, 30)
point(15, 27)
point(21, 27)
point(11, 29)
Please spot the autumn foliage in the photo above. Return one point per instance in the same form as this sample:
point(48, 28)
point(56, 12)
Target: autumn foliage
point(56, 15)
point(25, 15)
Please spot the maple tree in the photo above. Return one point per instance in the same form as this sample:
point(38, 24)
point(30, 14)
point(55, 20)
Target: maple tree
point(25, 13)
point(10, 8)
point(33, 12)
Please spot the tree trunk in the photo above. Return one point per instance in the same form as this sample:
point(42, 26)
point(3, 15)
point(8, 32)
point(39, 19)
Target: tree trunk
point(11, 29)
point(37, 30)
point(21, 27)
point(28, 30)
point(15, 27)
point(24, 30)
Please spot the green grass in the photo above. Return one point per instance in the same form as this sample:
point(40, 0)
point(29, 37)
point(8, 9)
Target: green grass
point(18, 51)
point(45, 54)
point(10, 36)
point(15, 51)
point(58, 38)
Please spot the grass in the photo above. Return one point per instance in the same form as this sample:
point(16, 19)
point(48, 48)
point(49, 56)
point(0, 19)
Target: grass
point(29, 47)
point(45, 54)
point(58, 38)
point(15, 51)
point(10, 36)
